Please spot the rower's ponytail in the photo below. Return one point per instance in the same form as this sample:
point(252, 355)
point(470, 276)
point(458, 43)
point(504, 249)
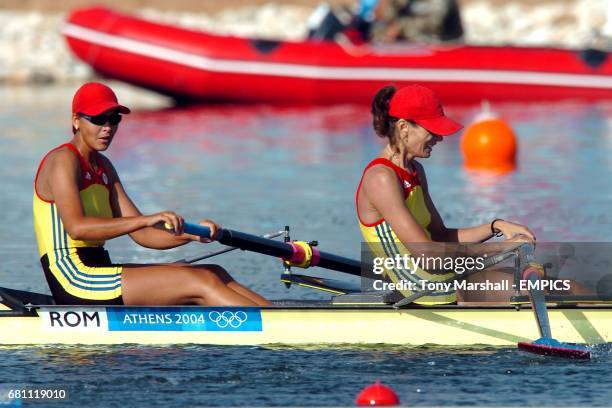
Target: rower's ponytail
point(381, 121)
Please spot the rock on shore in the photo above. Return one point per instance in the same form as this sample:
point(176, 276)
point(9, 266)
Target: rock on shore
point(32, 49)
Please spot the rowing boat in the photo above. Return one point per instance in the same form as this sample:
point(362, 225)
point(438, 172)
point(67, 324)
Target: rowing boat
point(352, 315)
point(350, 318)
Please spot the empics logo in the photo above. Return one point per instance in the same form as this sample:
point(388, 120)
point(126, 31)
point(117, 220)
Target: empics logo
point(557, 285)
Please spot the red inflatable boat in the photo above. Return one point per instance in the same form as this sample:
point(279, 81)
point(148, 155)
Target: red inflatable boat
point(199, 66)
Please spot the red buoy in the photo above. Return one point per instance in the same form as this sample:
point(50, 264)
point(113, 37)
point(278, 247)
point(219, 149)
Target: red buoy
point(377, 394)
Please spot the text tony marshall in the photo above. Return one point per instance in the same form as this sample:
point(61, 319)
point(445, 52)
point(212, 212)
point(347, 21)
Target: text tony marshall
point(441, 286)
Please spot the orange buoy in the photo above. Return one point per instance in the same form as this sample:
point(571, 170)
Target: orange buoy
point(489, 145)
point(377, 394)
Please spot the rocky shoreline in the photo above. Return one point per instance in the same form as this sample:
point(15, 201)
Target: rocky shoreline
point(33, 51)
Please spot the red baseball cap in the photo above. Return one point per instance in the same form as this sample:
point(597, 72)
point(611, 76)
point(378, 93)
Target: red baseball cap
point(94, 98)
point(422, 106)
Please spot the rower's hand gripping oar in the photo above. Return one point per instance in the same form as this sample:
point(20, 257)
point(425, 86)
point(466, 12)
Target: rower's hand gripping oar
point(296, 253)
point(545, 345)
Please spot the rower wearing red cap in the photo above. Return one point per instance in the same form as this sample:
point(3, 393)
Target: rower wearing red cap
point(394, 208)
point(80, 202)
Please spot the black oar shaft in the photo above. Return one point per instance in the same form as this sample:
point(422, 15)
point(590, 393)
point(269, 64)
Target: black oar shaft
point(283, 250)
point(339, 263)
point(254, 243)
point(270, 247)
point(223, 251)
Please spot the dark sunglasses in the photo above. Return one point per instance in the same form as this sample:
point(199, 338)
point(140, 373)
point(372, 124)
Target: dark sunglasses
point(101, 120)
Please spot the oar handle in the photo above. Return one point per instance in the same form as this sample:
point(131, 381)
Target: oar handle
point(287, 251)
point(196, 229)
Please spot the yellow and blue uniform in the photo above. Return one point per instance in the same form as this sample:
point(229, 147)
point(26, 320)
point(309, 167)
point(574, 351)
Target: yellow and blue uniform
point(78, 272)
point(384, 243)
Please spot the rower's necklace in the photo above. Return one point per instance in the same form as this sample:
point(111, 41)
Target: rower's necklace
point(394, 157)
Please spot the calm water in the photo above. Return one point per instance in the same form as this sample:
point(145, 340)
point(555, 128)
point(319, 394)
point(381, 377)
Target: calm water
point(259, 168)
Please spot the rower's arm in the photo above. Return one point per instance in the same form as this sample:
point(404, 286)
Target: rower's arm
point(439, 232)
point(62, 177)
point(124, 208)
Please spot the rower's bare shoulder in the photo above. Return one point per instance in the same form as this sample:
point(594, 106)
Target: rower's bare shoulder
point(56, 165)
point(379, 177)
point(60, 159)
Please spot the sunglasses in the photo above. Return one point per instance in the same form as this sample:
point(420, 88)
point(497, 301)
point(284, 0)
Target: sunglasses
point(101, 120)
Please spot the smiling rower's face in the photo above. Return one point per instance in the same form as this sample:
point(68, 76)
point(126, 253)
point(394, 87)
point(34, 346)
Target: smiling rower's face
point(417, 140)
point(97, 137)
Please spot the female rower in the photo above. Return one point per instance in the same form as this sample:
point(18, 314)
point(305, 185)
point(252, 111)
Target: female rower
point(394, 208)
point(80, 202)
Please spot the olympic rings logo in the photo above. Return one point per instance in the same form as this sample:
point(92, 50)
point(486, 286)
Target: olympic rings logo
point(228, 318)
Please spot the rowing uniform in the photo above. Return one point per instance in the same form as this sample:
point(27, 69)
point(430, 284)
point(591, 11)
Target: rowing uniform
point(383, 242)
point(78, 272)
